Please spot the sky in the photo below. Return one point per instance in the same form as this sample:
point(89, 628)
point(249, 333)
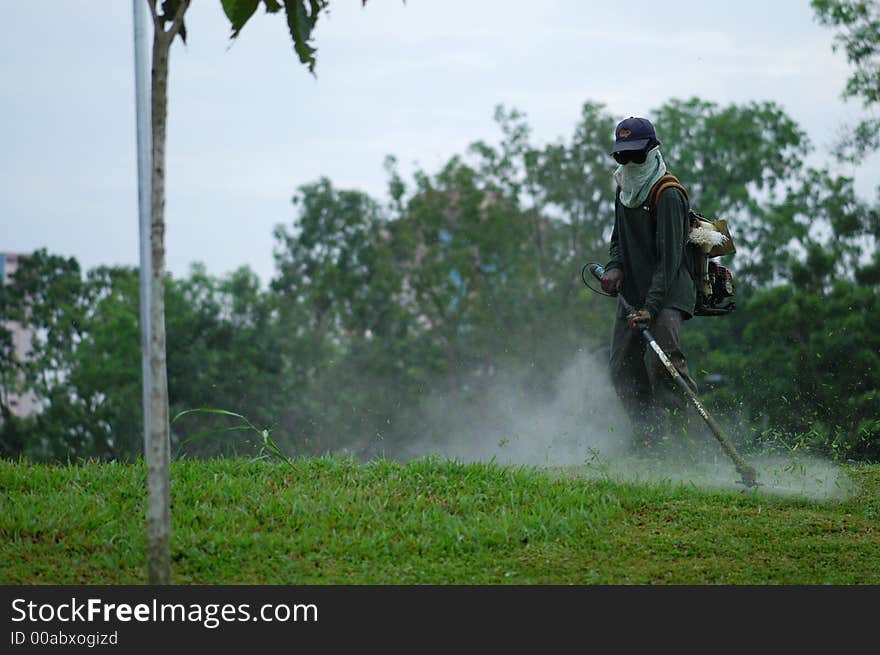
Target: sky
point(418, 80)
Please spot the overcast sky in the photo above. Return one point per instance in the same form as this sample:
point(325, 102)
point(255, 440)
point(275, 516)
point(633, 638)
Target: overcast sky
point(248, 124)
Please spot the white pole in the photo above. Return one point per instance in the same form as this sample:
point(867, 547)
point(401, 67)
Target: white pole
point(144, 173)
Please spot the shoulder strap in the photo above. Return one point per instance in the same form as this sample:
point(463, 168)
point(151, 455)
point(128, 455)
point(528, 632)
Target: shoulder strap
point(668, 180)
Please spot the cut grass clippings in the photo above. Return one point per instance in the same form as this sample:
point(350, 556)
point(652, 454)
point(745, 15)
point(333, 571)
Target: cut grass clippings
point(331, 520)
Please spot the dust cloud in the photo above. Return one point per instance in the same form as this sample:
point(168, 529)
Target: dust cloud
point(582, 428)
point(509, 425)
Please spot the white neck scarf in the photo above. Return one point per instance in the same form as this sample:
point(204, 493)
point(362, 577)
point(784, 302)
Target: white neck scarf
point(635, 180)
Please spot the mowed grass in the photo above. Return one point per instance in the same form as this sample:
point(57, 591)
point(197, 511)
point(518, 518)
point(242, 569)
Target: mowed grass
point(335, 521)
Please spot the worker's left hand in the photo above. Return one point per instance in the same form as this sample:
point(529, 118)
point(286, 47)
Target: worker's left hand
point(640, 319)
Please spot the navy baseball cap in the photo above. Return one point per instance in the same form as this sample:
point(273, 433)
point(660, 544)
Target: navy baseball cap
point(633, 134)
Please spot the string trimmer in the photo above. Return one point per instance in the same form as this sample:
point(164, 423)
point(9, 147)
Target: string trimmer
point(749, 477)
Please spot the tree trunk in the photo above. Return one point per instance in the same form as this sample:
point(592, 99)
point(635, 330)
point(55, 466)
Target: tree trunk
point(158, 442)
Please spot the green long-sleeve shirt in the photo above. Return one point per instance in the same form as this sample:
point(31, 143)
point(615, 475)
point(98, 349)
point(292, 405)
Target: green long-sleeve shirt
point(653, 254)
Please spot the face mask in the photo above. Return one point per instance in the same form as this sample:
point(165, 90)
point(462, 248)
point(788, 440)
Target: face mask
point(635, 180)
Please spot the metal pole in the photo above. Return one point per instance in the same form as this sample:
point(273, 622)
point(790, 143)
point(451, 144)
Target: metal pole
point(144, 173)
point(749, 476)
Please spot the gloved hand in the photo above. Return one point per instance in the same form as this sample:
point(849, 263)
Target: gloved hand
point(641, 319)
point(612, 280)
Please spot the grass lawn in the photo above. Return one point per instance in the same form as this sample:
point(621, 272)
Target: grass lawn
point(429, 521)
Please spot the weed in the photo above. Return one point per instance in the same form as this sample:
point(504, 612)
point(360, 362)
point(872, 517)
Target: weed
point(268, 447)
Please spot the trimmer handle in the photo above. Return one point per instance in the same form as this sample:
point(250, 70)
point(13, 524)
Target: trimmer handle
point(598, 271)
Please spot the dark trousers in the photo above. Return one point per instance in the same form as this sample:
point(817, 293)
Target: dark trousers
point(656, 407)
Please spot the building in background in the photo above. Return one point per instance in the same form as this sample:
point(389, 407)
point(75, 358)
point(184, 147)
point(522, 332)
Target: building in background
point(26, 404)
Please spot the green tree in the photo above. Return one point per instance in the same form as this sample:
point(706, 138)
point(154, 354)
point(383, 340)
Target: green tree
point(808, 336)
point(567, 185)
point(105, 370)
point(858, 25)
point(338, 297)
point(224, 351)
point(811, 365)
point(46, 297)
point(82, 364)
point(564, 193)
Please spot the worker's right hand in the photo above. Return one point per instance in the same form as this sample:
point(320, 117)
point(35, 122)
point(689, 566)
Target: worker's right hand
point(612, 280)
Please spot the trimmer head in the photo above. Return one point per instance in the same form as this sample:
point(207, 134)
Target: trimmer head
point(749, 477)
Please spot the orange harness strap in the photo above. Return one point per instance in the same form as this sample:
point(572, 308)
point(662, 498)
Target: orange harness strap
point(668, 180)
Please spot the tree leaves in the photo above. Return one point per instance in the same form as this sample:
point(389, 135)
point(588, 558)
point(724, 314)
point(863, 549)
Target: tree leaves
point(239, 12)
point(301, 17)
point(301, 20)
point(858, 22)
